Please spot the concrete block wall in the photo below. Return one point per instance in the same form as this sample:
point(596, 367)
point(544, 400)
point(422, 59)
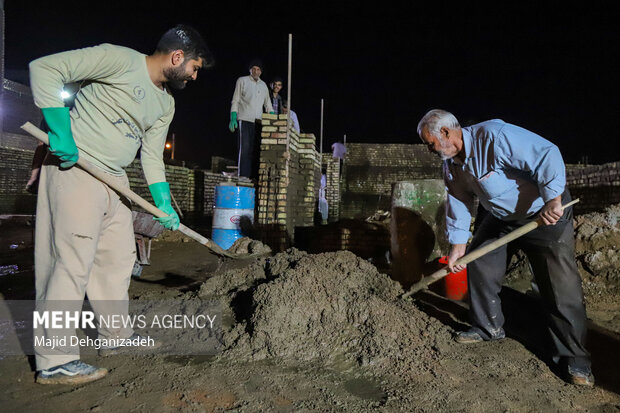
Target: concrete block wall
point(370, 169)
point(287, 191)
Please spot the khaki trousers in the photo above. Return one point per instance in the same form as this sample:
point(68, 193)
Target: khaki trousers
point(84, 244)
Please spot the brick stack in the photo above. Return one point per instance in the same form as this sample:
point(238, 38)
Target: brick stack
point(286, 193)
point(310, 170)
point(332, 192)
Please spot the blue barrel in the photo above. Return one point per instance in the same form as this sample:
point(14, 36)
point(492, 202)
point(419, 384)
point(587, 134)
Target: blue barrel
point(232, 204)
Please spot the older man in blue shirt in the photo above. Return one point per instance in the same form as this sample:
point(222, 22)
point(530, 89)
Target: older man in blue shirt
point(517, 176)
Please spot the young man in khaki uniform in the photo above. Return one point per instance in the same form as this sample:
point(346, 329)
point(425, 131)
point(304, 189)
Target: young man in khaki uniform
point(84, 234)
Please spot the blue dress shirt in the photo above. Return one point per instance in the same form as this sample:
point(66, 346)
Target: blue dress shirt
point(511, 170)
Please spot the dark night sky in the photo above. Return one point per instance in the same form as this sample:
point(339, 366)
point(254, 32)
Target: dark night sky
point(550, 69)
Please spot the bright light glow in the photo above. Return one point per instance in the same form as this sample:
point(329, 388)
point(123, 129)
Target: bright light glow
point(168, 146)
point(64, 95)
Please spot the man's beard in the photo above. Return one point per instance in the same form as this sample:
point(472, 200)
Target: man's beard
point(176, 77)
point(444, 147)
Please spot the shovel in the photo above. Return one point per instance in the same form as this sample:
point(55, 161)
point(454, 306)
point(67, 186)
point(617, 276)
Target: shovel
point(467, 258)
point(137, 199)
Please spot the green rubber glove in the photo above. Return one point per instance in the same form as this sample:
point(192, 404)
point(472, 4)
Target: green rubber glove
point(61, 139)
point(162, 199)
point(272, 113)
point(233, 121)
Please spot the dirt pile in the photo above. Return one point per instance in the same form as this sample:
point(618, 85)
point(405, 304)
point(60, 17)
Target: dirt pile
point(597, 248)
point(247, 245)
point(334, 307)
point(172, 236)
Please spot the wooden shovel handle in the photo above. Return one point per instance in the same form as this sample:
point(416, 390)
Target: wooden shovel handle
point(466, 259)
point(132, 196)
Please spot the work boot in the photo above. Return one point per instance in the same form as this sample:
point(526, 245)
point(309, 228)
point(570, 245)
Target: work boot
point(580, 376)
point(73, 372)
point(472, 336)
point(122, 349)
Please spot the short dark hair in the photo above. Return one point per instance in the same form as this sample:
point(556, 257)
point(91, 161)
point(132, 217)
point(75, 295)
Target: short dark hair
point(188, 39)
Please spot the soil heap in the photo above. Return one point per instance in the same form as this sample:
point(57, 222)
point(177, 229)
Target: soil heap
point(334, 307)
point(597, 248)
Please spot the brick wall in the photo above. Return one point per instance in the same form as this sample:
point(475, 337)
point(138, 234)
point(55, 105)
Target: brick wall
point(370, 169)
point(193, 189)
point(368, 240)
point(596, 186)
point(15, 168)
point(287, 191)
point(332, 192)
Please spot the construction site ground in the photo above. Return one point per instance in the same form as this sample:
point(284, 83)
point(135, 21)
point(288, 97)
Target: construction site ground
point(324, 332)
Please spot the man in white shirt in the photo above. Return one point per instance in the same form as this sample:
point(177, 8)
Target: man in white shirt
point(251, 95)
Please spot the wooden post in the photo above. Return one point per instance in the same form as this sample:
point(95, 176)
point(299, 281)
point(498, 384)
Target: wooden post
point(290, 106)
point(173, 146)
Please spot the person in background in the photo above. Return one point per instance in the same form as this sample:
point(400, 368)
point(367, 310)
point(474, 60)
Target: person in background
point(294, 119)
point(276, 97)
point(338, 150)
point(249, 99)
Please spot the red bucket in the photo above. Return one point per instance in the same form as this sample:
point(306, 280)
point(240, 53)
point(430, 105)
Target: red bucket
point(455, 283)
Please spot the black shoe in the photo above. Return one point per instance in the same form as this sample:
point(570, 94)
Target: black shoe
point(472, 336)
point(580, 376)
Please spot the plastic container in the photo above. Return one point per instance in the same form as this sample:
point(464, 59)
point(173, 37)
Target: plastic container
point(455, 284)
point(233, 204)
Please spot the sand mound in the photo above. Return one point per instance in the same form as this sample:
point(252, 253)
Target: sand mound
point(334, 307)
